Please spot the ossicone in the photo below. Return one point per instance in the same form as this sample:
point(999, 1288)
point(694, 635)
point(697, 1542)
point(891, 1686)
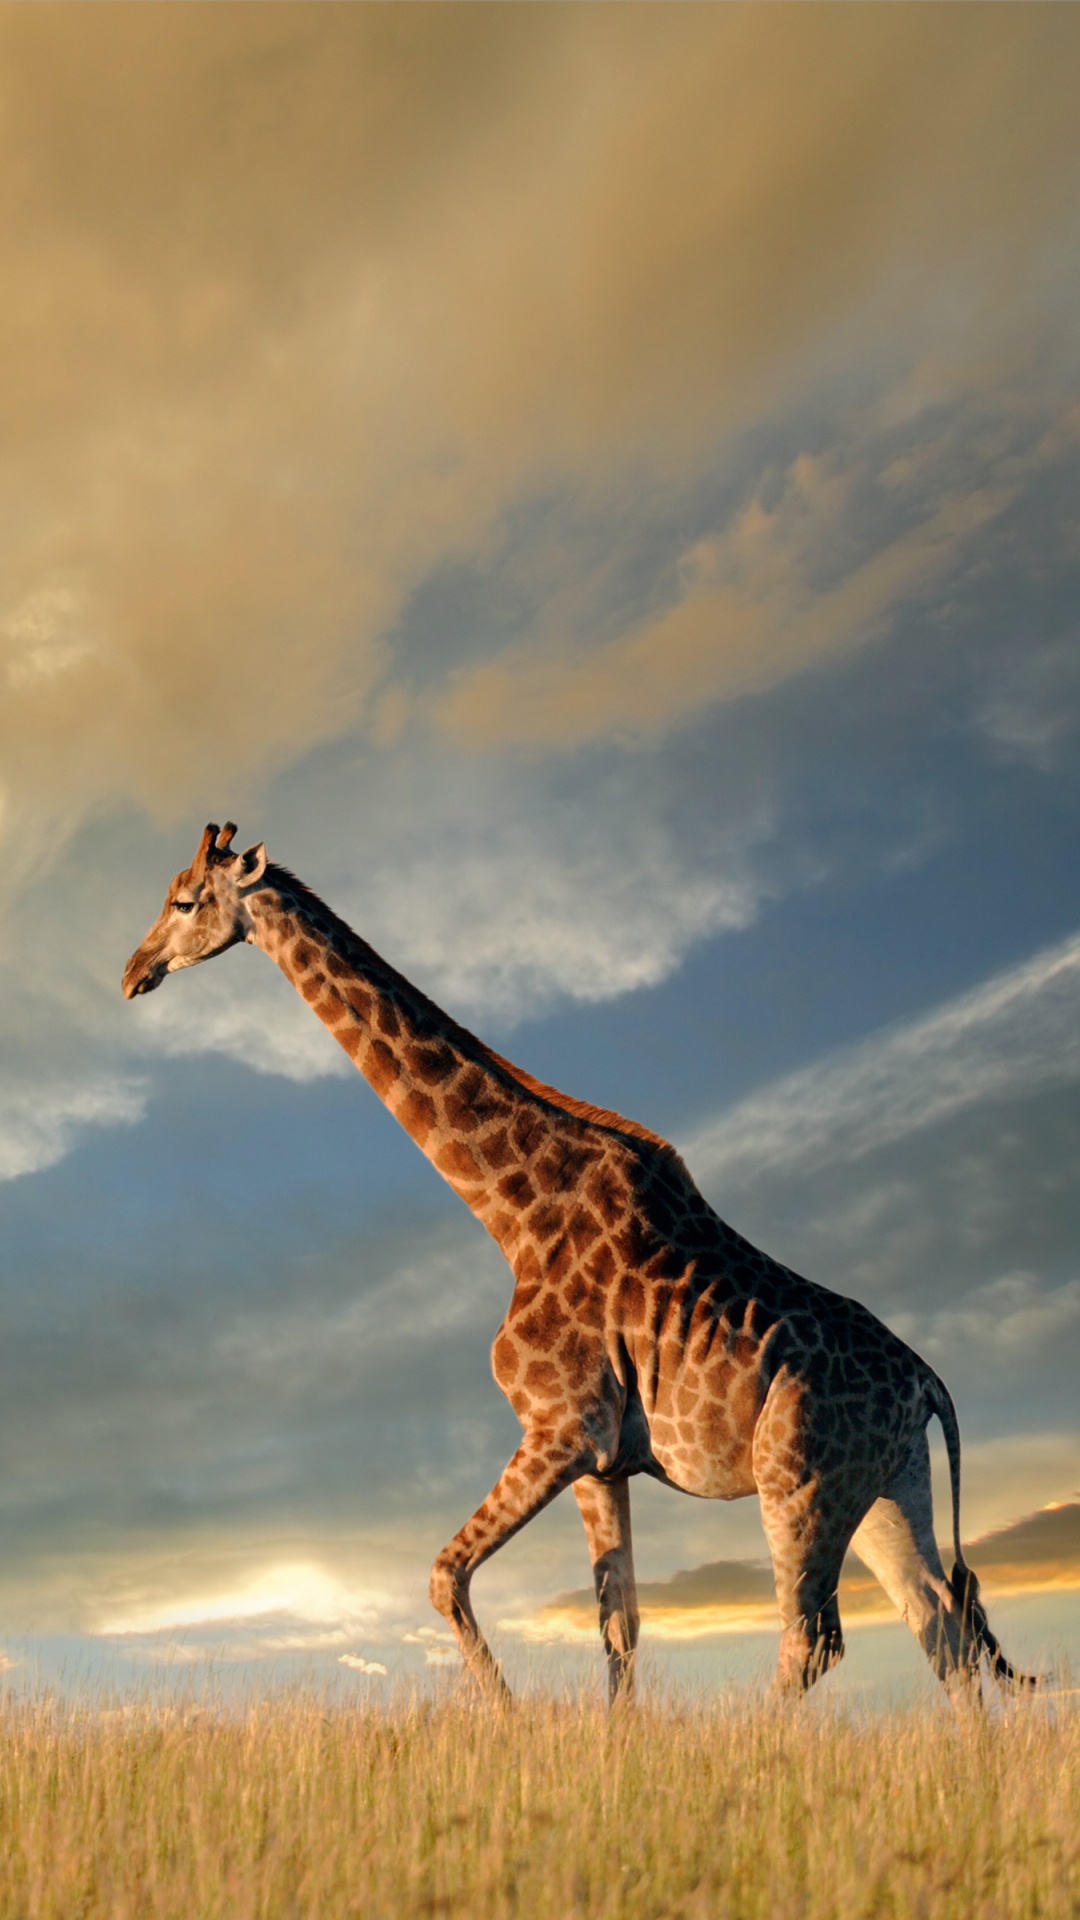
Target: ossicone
point(205, 851)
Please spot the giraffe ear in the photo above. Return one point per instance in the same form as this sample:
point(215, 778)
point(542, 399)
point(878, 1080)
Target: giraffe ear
point(252, 866)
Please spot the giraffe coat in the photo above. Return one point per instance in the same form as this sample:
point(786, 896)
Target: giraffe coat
point(643, 1334)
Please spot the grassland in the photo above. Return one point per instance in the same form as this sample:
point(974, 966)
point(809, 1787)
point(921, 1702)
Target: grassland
point(289, 1808)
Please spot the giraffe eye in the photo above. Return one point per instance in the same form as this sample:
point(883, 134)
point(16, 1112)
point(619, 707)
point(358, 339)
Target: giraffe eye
point(184, 906)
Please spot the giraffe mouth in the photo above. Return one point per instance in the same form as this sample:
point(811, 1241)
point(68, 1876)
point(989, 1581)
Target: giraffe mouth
point(141, 976)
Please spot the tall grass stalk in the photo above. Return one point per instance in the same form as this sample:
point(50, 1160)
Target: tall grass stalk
point(549, 1810)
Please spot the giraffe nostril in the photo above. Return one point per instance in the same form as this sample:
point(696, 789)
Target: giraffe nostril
point(138, 981)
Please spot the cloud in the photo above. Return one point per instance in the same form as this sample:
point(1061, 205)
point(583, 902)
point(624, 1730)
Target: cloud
point(503, 897)
point(1041, 1550)
point(302, 1591)
point(435, 1291)
point(929, 1170)
point(1006, 1474)
point(440, 1649)
point(1037, 1554)
point(360, 1665)
point(43, 637)
point(40, 1124)
point(749, 614)
point(1012, 1317)
point(1013, 1036)
point(516, 928)
point(497, 893)
point(303, 302)
point(1032, 704)
point(286, 1608)
point(255, 1018)
point(194, 1427)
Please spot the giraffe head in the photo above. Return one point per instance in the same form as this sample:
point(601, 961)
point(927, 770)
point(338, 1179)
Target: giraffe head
point(205, 911)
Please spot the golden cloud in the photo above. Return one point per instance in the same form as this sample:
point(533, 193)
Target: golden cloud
point(735, 630)
point(1038, 1554)
point(298, 298)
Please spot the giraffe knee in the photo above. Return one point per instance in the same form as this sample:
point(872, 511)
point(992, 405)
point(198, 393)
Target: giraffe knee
point(448, 1587)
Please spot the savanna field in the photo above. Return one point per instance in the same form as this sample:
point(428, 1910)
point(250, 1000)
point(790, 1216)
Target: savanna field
point(732, 1807)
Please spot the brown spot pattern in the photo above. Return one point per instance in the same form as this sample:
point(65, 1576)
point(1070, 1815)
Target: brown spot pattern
point(643, 1334)
point(417, 1115)
point(458, 1163)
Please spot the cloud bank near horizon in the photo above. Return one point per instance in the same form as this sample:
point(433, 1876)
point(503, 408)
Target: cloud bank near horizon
point(1037, 1554)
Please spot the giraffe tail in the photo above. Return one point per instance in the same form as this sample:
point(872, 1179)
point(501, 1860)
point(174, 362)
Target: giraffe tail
point(975, 1628)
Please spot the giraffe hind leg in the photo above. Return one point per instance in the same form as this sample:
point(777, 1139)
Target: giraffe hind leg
point(896, 1541)
point(807, 1543)
point(965, 1587)
point(811, 1642)
point(604, 1506)
point(538, 1471)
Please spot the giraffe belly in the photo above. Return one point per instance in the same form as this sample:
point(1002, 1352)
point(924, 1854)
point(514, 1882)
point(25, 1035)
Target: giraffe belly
point(701, 1429)
point(709, 1475)
point(723, 1474)
point(702, 1386)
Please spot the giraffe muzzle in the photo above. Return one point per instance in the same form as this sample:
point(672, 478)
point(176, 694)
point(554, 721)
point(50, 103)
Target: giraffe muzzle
point(142, 975)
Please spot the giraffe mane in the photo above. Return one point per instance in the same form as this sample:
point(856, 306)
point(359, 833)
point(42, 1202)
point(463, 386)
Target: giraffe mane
point(581, 1109)
point(606, 1117)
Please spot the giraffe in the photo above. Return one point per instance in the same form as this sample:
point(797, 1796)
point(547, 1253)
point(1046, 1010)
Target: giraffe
point(643, 1334)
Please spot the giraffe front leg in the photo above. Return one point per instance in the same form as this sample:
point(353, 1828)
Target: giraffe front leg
point(539, 1470)
point(604, 1506)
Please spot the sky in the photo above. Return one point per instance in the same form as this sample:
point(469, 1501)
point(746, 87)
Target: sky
point(595, 489)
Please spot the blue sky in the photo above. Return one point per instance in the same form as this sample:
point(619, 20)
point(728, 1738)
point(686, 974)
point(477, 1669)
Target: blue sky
point(596, 491)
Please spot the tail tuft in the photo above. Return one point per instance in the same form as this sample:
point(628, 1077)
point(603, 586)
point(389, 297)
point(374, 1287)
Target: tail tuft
point(976, 1631)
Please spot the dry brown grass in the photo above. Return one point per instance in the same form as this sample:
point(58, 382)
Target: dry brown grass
point(734, 1808)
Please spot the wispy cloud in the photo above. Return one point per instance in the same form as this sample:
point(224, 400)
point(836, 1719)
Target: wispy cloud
point(1016, 1035)
point(552, 903)
point(286, 1608)
point(755, 604)
point(440, 1648)
point(40, 1124)
point(445, 1288)
point(359, 1665)
point(1013, 1316)
point(253, 1017)
point(1032, 704)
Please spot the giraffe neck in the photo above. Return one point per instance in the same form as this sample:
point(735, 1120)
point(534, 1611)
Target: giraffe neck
point(464, 1107)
